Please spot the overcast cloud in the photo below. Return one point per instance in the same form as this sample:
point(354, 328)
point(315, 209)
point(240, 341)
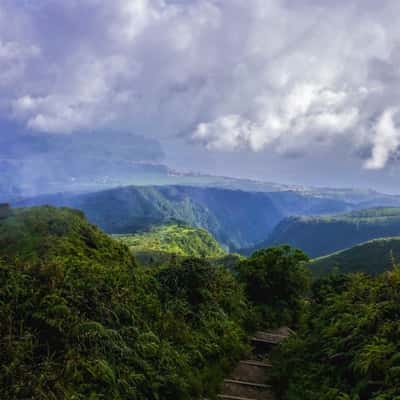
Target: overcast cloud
point(294, 77)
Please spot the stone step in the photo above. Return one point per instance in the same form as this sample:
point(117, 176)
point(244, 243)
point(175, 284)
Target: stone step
point(263, 364)
point(250, 390)
point(268, 337)
point(250, 372)
point(247, 381)
point(227, 397)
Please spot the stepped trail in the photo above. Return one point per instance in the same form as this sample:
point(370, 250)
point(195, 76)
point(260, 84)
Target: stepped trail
point(248, 381)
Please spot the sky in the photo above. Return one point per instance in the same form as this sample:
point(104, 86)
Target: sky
point(296, 91)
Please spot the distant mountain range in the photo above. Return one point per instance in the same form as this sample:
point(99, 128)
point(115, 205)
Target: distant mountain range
point(240, 213)
point(236, 218)
point(94, 161)
point(321, 235)
point(38, 164)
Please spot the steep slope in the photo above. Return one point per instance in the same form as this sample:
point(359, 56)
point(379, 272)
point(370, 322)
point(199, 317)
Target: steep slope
point(373, 257)
point(322, 235)
point(235, 218)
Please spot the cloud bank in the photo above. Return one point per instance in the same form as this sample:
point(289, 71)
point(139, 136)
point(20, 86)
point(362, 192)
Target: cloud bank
point(290, 76)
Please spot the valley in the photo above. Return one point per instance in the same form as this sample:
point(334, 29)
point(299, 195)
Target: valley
point(238, 219)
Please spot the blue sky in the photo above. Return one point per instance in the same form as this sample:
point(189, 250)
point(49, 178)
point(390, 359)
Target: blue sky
point(299, 91)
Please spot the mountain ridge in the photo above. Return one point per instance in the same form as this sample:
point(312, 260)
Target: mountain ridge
point(373, 257)
point(321, 235)
point(236, 218)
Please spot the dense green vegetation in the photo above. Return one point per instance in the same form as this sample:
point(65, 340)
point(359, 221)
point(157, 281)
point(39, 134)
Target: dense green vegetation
point(276, 282)
point(80, 320)
point(160, 244)
point(348, 345)
point(235, 218)
point(373, 257)
point(318, 236)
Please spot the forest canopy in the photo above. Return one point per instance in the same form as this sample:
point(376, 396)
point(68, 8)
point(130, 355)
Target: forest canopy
point(81, 319)
point(348, 345)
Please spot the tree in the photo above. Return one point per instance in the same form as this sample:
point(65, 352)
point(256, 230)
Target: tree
point(276, 281)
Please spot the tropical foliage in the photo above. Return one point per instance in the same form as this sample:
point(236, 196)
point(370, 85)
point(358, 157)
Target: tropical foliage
point(80, 320)
point(276, 282)
point(160, 244)
point(348, 346)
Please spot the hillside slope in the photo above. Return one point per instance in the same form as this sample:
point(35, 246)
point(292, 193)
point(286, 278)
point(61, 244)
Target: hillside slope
point(58, 237)
point(80, 320)
point(321, 235)
point(235, 218)
point(373, 257)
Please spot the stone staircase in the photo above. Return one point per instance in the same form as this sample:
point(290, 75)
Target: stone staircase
point(249, 380)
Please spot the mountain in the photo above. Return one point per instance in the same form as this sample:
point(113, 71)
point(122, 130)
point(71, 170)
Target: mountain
point(321, 235)
point(33, 165)
point(235, 218)
point(373, 257)
point(161, 243)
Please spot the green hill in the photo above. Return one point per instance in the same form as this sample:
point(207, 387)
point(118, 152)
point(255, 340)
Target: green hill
point(57, 237)
point(318, 236)
point(162, 242)
point(373, 257)
point(81, 320)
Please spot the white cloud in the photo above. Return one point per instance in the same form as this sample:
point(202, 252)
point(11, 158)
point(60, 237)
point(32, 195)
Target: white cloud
point(386, 140)
point(225, 133)
point(288, 75)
